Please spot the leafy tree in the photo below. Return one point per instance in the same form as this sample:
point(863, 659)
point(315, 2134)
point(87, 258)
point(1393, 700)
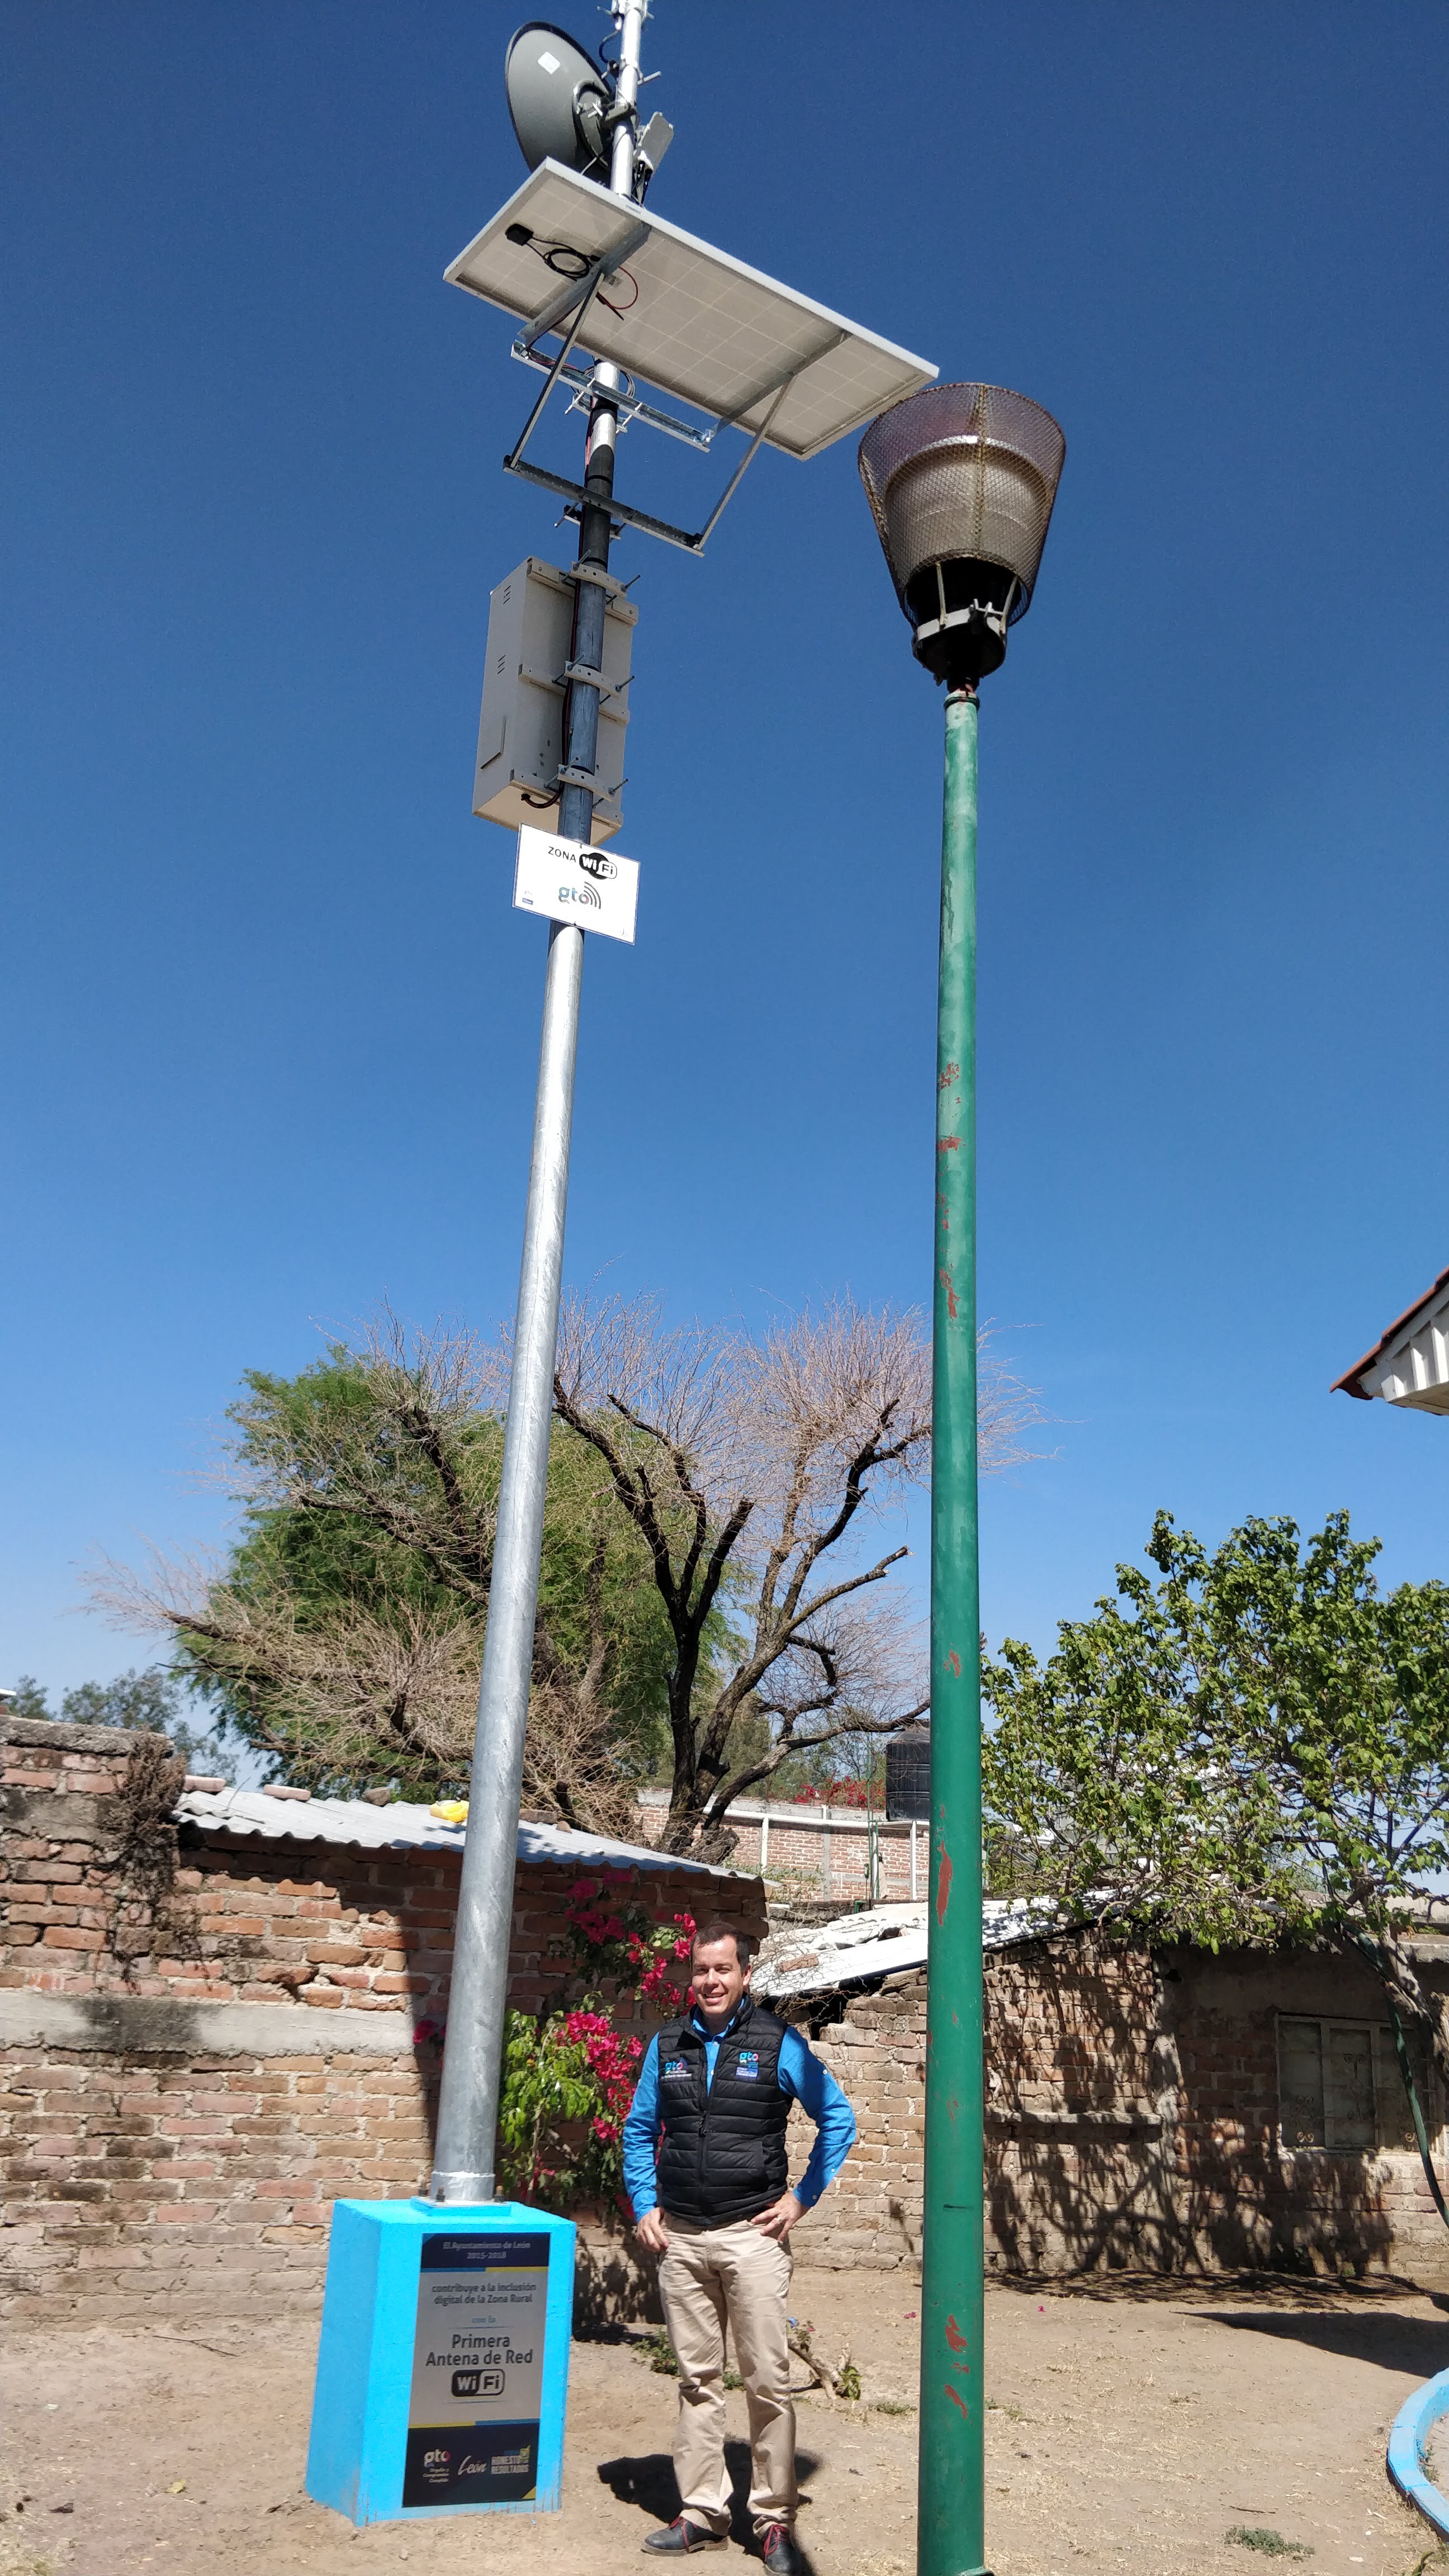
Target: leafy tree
point(148, 1702)
point(705, 1599)
point(343, 1635)
point(1253, 1748)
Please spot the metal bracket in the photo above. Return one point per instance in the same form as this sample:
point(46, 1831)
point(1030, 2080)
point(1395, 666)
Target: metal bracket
point(631, 406)
point(589, 778)
point(644, 519)
point(578, 292)
point(553, 313)
point(595, 680)
point(595, 573)
point(575, 289)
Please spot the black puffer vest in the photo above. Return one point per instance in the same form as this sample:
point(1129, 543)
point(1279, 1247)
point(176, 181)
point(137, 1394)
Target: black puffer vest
point(723, 2155)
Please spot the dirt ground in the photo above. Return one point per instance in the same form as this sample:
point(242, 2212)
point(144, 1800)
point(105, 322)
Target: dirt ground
point(1131, 2428)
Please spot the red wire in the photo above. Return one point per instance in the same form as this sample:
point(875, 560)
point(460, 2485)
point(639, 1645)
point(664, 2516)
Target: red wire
point(621, 309)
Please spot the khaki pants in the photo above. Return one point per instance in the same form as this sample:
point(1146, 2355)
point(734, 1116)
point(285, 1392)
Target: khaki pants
point(708, 2276)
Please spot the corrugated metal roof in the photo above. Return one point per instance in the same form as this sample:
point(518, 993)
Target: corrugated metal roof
point(884, 1940)
point(404, 1827)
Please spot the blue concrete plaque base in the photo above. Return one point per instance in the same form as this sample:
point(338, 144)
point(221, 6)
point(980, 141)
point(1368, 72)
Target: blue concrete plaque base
point(442, 2374)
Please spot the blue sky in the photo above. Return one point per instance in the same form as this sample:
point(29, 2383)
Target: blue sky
point(270, 1025)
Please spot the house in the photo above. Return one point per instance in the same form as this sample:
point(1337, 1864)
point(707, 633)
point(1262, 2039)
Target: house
point(1164, 2109)
point(1409, 1363)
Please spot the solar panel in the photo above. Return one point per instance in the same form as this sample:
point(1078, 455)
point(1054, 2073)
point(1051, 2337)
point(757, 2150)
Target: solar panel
point(701, 326)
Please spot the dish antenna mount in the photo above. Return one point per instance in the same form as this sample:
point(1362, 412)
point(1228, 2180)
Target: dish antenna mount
point(565, 108)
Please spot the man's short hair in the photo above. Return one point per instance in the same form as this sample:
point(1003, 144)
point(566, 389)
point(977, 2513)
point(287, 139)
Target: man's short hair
point(720, 1931)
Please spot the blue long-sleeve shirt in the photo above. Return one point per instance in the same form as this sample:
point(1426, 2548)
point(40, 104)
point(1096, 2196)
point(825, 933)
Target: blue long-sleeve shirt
point(801, 2075)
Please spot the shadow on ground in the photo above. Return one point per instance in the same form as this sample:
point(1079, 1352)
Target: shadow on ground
point(1270, 2291)
point(1417, 2345)
point(649, 2483)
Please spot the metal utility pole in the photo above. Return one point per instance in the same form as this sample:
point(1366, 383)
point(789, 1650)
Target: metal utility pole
point(463, 2165)
point(951, 2509)
point(961, 480)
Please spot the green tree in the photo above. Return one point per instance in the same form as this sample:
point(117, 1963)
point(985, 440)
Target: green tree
point(342, 1637)
point(151, 1702)
point(1253, 1748)
point(706, 1602)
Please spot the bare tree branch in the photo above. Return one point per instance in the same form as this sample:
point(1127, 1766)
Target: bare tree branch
point(766, 1457)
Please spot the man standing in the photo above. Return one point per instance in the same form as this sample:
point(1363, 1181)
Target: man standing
point(714, 2096)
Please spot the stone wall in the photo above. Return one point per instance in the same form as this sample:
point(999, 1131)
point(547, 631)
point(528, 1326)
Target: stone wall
point(1132, 2120)
point(211, 2039)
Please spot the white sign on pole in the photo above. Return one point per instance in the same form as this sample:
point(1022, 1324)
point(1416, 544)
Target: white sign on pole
point(568, 881)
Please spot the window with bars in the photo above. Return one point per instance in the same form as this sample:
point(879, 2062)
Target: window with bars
point(1339, 2085)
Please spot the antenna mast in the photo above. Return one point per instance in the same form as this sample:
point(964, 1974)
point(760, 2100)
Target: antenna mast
point(463, 2166)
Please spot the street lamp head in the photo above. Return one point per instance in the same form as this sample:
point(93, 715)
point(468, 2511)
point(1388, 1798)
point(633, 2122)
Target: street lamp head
point(961, 481)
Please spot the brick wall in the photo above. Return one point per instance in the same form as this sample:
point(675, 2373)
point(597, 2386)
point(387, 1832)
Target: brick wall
point(814, 1849)
point(1132, 2098)
point(146, 2163)
point(1132, 2120)
point(140, 2180)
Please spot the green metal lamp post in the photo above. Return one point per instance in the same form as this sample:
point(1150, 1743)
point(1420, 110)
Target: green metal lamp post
point(961, 481)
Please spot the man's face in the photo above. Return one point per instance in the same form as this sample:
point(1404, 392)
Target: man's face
point(718, 1979)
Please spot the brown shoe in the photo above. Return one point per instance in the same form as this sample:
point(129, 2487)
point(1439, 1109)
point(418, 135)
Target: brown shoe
point(678, 2536)
point(779, 2552)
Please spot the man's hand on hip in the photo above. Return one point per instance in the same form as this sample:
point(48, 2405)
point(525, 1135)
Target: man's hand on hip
point(779, 2218)
point(652, 2233)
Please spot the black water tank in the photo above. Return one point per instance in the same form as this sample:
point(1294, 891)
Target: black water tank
point(908, 1776)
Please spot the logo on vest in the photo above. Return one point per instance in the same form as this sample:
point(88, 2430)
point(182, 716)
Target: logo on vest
point(747, 2065)
point(676, 2066)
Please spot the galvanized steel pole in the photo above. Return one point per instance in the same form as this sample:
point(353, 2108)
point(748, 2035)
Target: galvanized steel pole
point(951, 2514)
point(463, 2156)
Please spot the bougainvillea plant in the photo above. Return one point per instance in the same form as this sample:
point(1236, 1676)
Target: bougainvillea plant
point(569, 2076)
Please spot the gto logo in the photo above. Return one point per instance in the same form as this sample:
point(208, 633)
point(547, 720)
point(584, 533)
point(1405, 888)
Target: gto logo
point(589, 895)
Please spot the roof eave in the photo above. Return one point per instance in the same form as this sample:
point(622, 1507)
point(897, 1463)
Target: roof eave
point(1349, 1384)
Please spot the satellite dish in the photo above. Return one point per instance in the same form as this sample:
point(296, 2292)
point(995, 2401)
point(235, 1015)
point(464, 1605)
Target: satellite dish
point(557, 98)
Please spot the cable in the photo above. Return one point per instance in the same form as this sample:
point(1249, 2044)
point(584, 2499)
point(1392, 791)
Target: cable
point(565, 259)
point(556, 255)
point(621, 309)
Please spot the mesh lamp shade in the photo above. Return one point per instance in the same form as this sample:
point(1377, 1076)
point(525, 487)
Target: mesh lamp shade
point(961, 481)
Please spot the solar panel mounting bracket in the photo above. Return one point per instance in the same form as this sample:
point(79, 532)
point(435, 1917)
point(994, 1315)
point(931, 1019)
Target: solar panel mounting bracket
point(576, 297)
point(689, 543)
point(632, 406)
